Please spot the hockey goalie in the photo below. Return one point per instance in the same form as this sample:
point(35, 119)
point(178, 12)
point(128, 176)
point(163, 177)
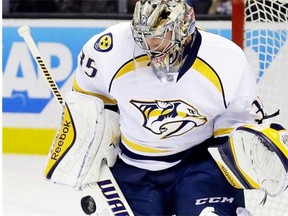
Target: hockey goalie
point(188, 105)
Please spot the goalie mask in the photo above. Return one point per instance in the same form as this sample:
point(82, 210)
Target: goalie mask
point(160, 28)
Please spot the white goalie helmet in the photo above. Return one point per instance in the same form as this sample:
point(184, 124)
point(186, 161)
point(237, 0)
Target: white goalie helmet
point(168, 21)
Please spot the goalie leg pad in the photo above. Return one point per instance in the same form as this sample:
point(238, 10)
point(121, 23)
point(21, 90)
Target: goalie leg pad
point(255, 158)
point(77, 153)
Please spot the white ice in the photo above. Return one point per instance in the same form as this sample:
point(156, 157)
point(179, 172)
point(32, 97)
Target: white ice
point(27, 193)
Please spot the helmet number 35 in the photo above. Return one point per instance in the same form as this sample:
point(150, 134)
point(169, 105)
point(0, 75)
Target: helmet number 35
point(88, 65)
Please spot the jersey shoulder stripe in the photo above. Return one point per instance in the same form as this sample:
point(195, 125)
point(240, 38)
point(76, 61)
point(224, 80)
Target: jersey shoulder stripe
point(207, 71)
point(129, 66)
point(106, 100)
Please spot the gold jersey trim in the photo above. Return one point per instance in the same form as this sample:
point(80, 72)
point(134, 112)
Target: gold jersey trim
point(222, 132)
point(129, 66)
point(106, 100)
point(207, 71)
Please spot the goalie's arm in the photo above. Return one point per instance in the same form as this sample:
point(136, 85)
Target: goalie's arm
point(255, 157)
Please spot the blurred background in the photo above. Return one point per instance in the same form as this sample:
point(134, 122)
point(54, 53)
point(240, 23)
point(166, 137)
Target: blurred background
point(98, 8)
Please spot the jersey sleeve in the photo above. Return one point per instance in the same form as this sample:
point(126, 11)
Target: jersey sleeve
point(243, 103)
point(90, 78)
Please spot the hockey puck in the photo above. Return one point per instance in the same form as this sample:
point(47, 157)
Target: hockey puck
point(88, 205)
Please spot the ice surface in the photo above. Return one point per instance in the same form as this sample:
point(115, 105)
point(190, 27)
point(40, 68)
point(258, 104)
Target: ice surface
point(27, 193)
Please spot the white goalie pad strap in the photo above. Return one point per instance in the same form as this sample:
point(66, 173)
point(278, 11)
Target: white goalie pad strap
point(255, 157)
point(76, 148)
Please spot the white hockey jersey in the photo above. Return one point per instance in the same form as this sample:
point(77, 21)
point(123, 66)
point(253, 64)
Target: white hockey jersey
point(212, 93)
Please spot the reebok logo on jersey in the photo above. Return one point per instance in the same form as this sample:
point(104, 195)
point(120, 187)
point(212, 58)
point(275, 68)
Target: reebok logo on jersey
point(169, 118)
point(104, 43)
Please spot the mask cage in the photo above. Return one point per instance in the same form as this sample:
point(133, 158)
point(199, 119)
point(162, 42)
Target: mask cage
point(140, 37)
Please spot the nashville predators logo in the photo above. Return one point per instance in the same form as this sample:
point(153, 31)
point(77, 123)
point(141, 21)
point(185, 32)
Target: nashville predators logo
point(104, 43)
point(169, 118)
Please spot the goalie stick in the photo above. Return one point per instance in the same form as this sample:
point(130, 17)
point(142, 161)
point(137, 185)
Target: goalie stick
point(107, 187)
